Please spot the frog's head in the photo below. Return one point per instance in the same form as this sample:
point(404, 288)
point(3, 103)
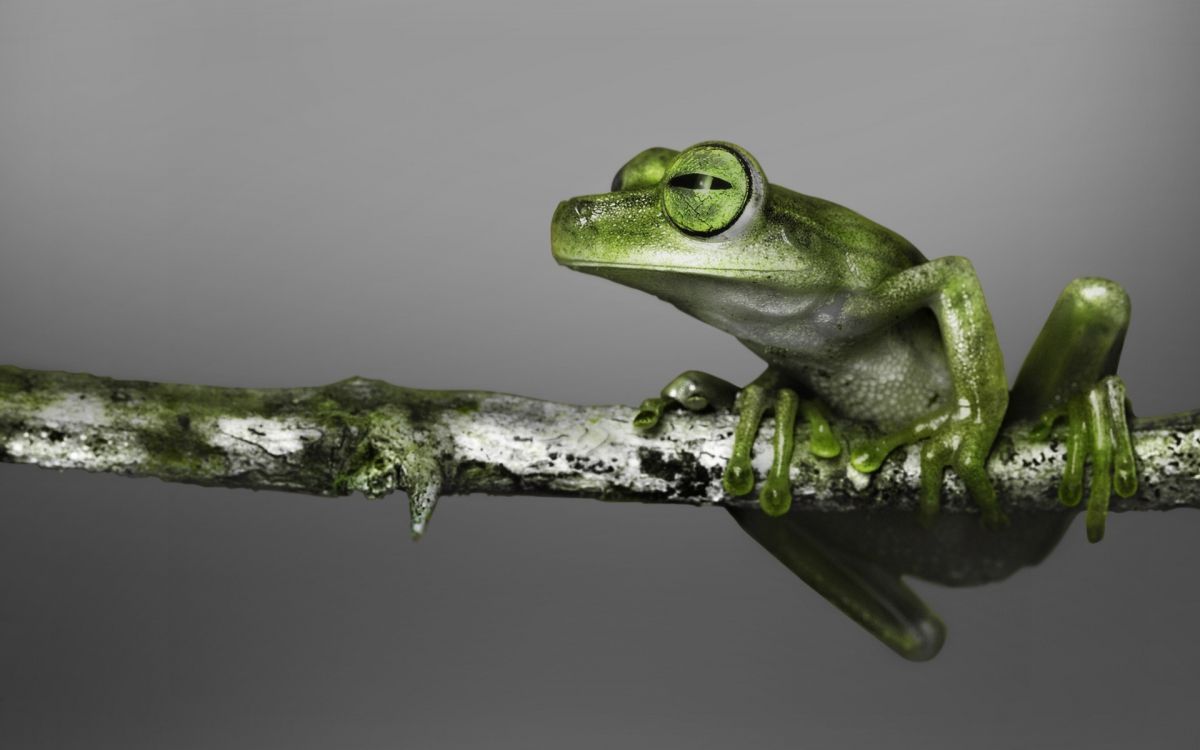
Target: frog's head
point(696, 227)
point(667, 210)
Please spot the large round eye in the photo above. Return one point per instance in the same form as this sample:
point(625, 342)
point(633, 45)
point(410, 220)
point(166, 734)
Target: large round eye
point(706, 190)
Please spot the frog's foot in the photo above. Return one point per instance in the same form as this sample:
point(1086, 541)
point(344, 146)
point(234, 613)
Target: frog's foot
point(948, 443)
point(753, 402)
point(692, 390)
point(1096, 428)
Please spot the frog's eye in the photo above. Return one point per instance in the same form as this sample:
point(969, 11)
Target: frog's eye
point(707, 188)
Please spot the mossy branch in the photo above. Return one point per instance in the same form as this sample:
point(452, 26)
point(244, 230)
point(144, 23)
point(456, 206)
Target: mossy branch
point(373, 437)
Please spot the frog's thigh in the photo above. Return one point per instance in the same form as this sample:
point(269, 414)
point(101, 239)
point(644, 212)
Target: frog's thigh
point(1079, 345)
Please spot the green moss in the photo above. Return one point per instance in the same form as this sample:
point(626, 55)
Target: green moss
point(382, 446)
point(11, 380)
point(25, 390)
point(175, 449)
point(197, 401)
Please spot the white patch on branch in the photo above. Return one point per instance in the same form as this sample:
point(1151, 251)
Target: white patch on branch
point(65, 436)
point(279, 437)
point(74, 410)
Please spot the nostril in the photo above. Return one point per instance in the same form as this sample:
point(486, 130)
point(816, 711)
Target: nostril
point(572, 214)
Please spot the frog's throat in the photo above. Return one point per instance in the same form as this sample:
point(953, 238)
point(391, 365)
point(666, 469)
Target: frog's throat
point(756, 306)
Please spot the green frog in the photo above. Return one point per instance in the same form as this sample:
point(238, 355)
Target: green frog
point(853, 321)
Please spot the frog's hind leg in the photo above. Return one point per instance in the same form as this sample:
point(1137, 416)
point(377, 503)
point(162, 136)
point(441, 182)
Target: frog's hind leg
point(1071, 372)
point(870, 594)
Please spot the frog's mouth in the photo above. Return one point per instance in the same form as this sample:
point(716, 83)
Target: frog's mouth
point(600, 268)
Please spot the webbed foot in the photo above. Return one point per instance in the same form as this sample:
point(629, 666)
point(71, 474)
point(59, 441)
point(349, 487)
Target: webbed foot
point(1097, 429)
point(950, 441)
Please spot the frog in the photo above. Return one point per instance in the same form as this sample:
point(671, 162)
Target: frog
point(856, 326)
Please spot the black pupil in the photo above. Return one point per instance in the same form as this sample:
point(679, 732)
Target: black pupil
point(698, 181)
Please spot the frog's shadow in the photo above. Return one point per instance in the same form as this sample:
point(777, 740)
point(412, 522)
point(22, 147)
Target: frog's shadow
point(956, 551)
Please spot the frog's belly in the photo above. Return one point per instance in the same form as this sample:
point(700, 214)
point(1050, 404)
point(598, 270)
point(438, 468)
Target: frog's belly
point(890, 380)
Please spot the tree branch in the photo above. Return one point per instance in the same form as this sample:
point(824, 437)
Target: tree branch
point(373, 437)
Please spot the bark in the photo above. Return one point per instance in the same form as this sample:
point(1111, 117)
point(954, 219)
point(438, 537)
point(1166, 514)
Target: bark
point(373, 437)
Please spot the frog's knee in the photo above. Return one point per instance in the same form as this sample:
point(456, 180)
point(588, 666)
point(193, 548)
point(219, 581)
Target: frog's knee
point(1098, 301)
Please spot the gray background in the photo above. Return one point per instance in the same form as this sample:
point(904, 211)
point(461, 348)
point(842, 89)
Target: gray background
point(288, 193)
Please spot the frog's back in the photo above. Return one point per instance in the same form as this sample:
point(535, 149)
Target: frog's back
point(874, 251)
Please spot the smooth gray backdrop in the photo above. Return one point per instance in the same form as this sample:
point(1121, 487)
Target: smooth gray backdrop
point(288, 193)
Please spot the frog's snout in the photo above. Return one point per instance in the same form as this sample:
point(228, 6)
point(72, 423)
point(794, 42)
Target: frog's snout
point(606, 228)
point(573, 230)
point(565, 216)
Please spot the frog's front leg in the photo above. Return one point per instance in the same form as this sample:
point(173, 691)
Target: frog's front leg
point(1071, 372)
point(960, 437)
point(697, 391)
point(768, 394)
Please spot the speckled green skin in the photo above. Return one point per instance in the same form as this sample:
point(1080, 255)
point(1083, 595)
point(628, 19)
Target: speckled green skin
point(850, 317)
